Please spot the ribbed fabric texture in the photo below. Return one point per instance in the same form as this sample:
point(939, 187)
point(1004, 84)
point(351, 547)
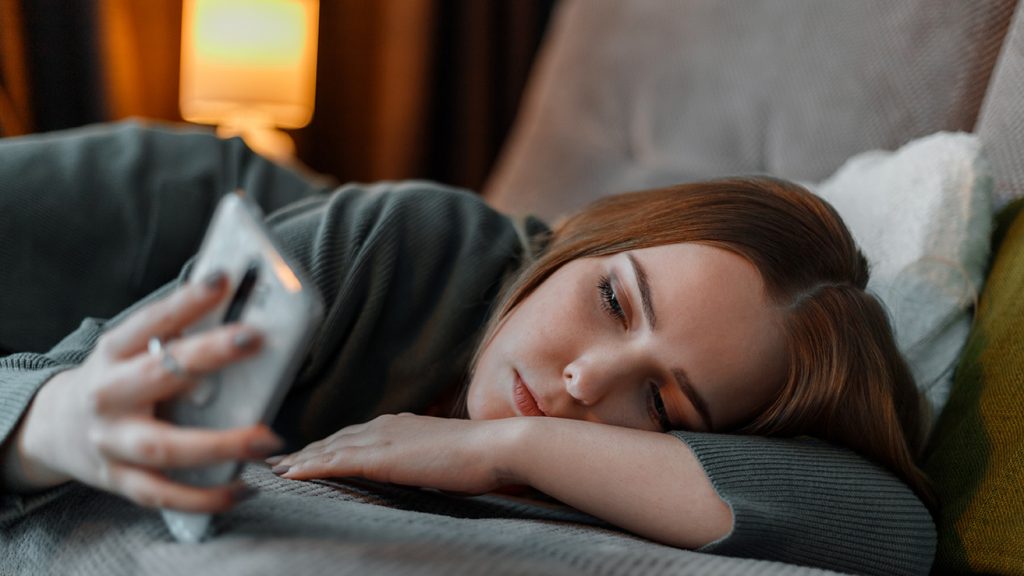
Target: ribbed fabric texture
point(87, 213)
point(347, 528)
point(849, 515)
point(408, 271)
point(21, 376)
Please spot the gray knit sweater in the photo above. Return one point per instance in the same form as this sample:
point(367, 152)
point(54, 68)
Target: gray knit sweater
point(94, 220)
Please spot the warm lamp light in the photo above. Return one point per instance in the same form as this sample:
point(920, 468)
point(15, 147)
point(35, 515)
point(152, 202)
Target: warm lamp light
point(249, 66)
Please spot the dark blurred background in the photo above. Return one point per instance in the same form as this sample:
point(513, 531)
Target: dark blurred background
point(405, 88)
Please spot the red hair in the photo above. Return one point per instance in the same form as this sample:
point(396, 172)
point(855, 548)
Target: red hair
point(847, 382)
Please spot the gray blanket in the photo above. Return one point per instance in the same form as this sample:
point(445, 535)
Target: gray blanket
point(350, 527)
point(111, 213)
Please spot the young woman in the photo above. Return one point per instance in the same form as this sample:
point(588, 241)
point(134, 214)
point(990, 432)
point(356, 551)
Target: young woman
point(734, 306)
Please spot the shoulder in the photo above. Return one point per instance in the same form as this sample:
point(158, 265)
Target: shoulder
point(414, 205)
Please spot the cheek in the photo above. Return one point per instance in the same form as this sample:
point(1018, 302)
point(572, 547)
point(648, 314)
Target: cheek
point(538, 323)
point(482, 391)
point(538, 337)
point(487, 397)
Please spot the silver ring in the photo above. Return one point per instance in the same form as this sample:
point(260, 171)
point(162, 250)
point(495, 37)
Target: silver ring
point(156, 348)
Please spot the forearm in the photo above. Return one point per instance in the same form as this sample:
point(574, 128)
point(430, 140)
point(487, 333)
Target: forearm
point(22, 379)
point(645, 482)
point(798, 500)
point(21, 472)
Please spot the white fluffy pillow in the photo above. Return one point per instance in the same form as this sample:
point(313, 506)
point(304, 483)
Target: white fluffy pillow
point(923, 216)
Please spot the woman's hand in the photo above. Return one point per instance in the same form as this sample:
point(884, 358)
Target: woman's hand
point(95, 423)
point(647, 482)
point(442, 453)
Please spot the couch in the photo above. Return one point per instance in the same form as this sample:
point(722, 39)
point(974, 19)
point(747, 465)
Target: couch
point(630, 94)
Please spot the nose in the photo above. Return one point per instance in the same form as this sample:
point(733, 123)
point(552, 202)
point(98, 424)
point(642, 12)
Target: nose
point(572, 376)
point(589, 378)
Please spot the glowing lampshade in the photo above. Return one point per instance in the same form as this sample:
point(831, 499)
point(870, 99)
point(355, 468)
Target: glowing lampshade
point(249, 65)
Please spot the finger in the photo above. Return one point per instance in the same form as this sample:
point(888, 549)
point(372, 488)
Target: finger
point(155, 444)
point(154, 490)
point(168, 315)
point(276, 459)
point(343, 461)
point(214, 349)
point(328, 452)
point(312, 452)
point(146, 378)
point(290, 459)
point(347, 436)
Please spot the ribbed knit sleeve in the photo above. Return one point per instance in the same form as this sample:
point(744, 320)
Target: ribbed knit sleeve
point(409, 272)
point(21, 376)
point(93, 220)
point(807, 502)
point(96, 219)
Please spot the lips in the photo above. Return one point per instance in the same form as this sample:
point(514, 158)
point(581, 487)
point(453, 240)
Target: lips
point(524, 399)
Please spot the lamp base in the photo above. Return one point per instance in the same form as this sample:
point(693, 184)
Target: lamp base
point(266, 141)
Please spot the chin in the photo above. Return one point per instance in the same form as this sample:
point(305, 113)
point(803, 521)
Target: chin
point(475, 409)
point(483, 399)
point(485, 408)
point(481, 412)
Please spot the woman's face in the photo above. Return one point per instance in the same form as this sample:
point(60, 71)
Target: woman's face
point(679, 336)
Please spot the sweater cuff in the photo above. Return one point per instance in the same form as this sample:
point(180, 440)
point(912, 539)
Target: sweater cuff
point(804, 501)
point(17, 389)
point(21, 376)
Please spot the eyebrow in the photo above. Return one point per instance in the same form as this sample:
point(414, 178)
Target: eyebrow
point(681, 378)
point(687, 387)
point(645, 290)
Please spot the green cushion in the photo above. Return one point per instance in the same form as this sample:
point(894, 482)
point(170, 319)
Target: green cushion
point(976, 453)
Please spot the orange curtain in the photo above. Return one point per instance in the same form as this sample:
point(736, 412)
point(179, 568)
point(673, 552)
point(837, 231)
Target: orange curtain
point(405, 88)
point(419, 88)
point(15, 107)
point(140, 50)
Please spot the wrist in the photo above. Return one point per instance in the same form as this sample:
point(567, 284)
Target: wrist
point(512, 442)
point(24, 455)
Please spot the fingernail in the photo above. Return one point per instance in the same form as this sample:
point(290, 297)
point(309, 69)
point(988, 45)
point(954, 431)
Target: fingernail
point(244, 340)
point(279, 470)
point(265, 445)
point(274, 460)
point(213, 280)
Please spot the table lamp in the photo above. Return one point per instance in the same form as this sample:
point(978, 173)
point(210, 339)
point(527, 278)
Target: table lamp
point(249, 66)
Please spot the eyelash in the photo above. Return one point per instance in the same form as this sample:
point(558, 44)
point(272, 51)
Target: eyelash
point(609, 301)
point(656, 408)
point(655, 403)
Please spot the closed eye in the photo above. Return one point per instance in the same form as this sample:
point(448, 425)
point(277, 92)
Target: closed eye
point(609, 301)
point(656, 409)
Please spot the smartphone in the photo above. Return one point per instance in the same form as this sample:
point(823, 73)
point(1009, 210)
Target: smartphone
point(269, 293)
